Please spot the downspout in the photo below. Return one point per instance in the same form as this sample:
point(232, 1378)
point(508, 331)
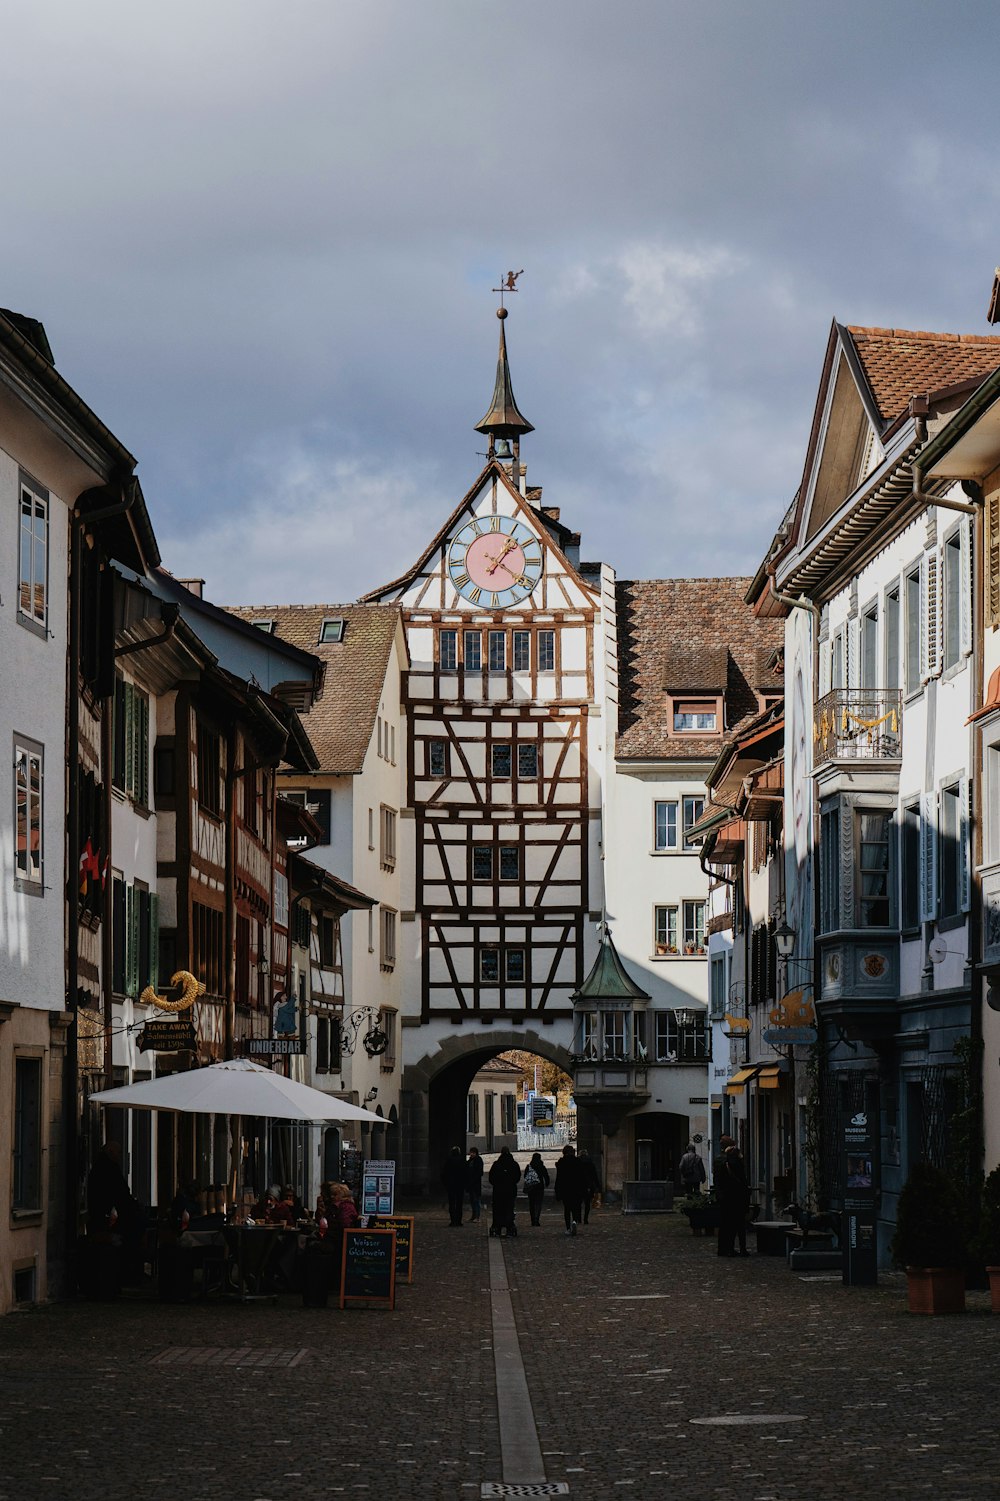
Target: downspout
point(976, 853)
point(229, 922)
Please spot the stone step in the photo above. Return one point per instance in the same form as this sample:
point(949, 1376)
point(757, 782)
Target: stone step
point(809, 1260)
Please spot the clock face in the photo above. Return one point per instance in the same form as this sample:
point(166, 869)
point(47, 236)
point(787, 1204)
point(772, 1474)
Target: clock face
point(495, 562)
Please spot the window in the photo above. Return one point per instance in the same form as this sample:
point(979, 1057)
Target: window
point(209, 771)
point(500, 761)
point(387, 1021)
point(510, 862)
point(508, 1113)
point(392, 744)
point(695, 714)
point(28, 830)
point(513, 960)
point(892, 638)
point(665, 930)
point(482, 862)
point(473, 1121)
point(837, 661)
point(869, 648)
point(207, 948)
point(130, 745)
point(873, 853)
point(527, 761)
point(953, 602)
point(498, 651)
point(26, 1187)
point(664, 1036)
point(280, 899)
point(717, 986)
point(829, 870)
point(586, 1036)
point(32, 599)
point(267, 626)
point(387, 823)
point(328, 1044)
point(371, 828)
point(951, 851)
point(472, 649)
point(911, 586)
point(546, 644)
point(522, 651)
point(331, 631)
point(489, 966)
point(387, 956)
point(664, 826)
point(448, 651)
point(327, 938)
point(910, 867)
point(371, 930)
point(379, 738)
point(317, 802)
point(694, 807)
point(614, 1027)
point(694, 927)
point(437, 758)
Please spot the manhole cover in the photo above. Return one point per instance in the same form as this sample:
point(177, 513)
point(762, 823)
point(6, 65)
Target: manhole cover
point(747, 1419)
point(216, 1356)
point(535, 1488)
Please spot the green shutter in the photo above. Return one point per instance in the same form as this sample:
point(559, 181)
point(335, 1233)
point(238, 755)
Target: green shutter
point(131, 941)
point(129, 738)
point(142, 749)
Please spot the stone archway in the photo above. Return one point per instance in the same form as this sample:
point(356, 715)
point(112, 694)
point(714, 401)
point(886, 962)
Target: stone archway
point(435, 1088)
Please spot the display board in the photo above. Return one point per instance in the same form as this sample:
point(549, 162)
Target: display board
point(403, 1226)
point(368, 1269)
point(378, 1187)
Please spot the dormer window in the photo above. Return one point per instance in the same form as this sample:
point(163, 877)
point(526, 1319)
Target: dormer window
point(692, 716)
point(330, 632)
point(267, 626)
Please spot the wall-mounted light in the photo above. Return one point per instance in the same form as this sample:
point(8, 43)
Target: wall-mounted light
point(371, 1095)
point(784, 940)
point(263, 967)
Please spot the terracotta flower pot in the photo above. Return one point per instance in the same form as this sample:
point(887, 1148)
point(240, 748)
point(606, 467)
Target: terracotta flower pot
point(935, 1289)
point(993, 1272)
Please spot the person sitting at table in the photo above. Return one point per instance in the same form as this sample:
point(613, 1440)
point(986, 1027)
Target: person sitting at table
point(264, 1207)
point(284, 1211)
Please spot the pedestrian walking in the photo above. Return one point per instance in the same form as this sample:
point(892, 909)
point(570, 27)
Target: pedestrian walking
point(474, 1184)
point(733, 1198)
point(591, 1182)
point(505, 1175)
point(536, 1181)
point(692, 1170)
point(569, 1188)
point(453, 1178)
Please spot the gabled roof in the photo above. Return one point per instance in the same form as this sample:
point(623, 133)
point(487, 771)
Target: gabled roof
point(609, 980)
point(341, 721)
point(701, 627)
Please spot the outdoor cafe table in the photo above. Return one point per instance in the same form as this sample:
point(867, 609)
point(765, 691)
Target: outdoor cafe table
point(255, 1249)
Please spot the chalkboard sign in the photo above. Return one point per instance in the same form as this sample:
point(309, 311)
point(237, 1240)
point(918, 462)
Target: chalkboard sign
point(403, 1226)
point(368, 1270)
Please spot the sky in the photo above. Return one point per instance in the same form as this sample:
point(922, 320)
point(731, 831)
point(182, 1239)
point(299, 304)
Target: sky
point(263, 241)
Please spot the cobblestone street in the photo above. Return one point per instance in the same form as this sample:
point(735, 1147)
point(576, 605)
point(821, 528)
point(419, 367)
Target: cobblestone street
point(631, 1334)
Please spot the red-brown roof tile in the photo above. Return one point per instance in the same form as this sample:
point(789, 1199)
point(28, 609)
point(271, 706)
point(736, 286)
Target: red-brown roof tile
point(899, 363)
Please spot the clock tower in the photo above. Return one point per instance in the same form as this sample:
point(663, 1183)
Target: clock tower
point(505, 745)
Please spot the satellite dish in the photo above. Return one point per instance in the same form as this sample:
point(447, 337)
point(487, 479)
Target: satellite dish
point(936, 950)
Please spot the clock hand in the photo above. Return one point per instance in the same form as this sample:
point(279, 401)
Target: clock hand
point(509, 547)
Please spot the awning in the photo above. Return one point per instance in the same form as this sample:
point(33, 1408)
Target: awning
point(741, 1079)
point(770, 1076)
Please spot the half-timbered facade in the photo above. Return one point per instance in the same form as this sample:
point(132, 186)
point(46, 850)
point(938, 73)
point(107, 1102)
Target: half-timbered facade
point(502, 705)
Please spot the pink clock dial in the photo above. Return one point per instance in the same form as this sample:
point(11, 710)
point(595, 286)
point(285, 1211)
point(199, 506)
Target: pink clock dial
point(494, 561)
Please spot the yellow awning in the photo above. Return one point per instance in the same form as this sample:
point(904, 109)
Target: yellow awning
point(741, 1079)
point(770, 1076)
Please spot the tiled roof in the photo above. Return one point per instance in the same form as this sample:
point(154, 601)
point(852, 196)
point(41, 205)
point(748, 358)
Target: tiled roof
point(661, 621)
point(342, 718)
point(899, 364)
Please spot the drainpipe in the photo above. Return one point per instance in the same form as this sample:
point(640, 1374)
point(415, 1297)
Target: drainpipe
point(977, 981)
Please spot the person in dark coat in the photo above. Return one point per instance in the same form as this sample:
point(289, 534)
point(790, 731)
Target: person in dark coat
point(111, 1209)
point(732, 1195)
point(591, 1182)
point(569, 1188)
point(505, 1174)
point(536, 1181)
point(453, 1178)
point(474, 1169)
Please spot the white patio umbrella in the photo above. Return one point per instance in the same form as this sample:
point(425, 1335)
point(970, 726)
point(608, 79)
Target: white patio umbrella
point(239, 1087)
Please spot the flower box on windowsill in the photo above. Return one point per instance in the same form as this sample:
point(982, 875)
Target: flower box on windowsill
point(694, 950)
point(664, 950)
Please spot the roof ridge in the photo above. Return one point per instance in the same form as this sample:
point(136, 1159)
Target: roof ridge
point(916, 333)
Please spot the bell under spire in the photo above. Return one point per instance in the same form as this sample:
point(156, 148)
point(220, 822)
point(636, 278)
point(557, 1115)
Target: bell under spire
point(503, 420)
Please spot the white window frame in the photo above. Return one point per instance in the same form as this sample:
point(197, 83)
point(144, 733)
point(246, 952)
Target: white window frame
point(35, 500)
point(666, 942)
point(669, 845)
point(29, 805)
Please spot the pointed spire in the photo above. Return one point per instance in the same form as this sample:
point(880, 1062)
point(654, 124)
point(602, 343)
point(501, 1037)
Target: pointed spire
point(609, 979)
point(503, 420)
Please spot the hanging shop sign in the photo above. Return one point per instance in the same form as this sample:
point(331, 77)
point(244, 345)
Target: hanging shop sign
point(184, 981)
point(368, 1270)
point(403, 1226)
point(167, 1037)
point(378, 1187)
point(789, 1037)
point(264, 1046)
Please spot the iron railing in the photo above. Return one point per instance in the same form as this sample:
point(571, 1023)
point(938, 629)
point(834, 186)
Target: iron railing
point(858, 724)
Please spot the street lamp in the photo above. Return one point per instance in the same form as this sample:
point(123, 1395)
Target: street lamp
point(784, 940)
point(687, 1019)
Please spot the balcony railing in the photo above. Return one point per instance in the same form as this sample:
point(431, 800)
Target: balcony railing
point(858, 724)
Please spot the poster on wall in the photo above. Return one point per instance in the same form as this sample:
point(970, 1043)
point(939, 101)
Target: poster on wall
point(378, 1187)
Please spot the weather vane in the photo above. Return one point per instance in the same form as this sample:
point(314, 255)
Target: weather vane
point(508, 283)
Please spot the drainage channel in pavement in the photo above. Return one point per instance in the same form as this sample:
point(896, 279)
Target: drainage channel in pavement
point(240, 1356)
point(541, 1488)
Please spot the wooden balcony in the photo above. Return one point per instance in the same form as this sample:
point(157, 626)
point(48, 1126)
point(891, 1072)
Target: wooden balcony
point(858, 724)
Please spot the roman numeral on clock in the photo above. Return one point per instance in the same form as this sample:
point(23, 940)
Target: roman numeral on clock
point(461, 579)
point(474, 595)
point(494, 523)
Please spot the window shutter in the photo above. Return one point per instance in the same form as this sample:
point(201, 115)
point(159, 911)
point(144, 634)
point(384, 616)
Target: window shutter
point(825, 667)
point(142, 749)
point(964, 824)
point(852, 656)
point(154, 940)
point(131, 941)
point(992, 543)
point(966, 585)
point(932, 616)
point(928, 857)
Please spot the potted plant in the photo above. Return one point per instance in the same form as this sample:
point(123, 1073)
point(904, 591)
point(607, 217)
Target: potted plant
point(930, 1243)
point(702, 1212)
point(987, 1242)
